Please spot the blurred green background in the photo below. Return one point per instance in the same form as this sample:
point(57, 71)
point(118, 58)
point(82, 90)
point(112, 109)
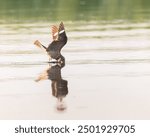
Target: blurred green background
point(74, 10)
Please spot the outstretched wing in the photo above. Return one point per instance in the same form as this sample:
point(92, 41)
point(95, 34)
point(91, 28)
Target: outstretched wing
point(61, 28)
point(54, 32)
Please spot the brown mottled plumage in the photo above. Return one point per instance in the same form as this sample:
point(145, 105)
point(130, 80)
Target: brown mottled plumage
point(59, 40)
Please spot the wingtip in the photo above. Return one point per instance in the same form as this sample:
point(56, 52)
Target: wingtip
point(61, 22)
point(37, 43)
point(61, 26)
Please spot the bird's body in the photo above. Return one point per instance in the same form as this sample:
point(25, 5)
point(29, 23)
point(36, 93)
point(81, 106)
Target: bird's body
point(59, 41)
point(54, 48)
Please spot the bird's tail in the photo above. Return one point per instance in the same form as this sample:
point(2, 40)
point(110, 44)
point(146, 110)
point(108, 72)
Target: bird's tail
point(38, 44)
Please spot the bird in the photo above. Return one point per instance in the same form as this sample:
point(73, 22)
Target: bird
point(59, 38)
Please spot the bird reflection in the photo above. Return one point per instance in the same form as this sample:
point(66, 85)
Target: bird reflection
point(58, 84)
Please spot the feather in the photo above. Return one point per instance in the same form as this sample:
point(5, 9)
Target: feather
point(38, 44)
point(54, 32)
point(61, 27)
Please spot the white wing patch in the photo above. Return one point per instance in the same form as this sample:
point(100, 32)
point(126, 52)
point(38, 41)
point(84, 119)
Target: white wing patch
point(61, 31)
point(55, 34)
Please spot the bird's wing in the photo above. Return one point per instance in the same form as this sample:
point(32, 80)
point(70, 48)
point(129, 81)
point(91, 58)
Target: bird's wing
point(61, 28)
point(54, 32)
point(38, 44)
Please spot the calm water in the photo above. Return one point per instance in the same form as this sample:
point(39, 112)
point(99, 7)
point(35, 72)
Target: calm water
point(107, 59)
